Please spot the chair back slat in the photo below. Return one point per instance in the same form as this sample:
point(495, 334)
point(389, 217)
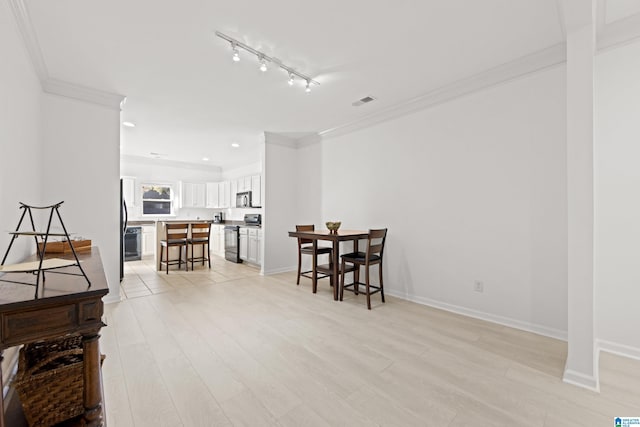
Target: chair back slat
point(375, 244)
point(302, 241)
point(176, 231)
point(200, 231)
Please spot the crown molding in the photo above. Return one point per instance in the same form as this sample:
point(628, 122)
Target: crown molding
point(50, 85)
point(82, 93)
point(620, 32)
point(528, 64)
point(274, 138)
point(29, 37)
point(309, 140)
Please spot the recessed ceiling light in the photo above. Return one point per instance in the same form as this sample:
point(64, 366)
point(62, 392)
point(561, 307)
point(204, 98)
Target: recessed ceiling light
point(206, 159)
point(129, 124)
point(235, 145)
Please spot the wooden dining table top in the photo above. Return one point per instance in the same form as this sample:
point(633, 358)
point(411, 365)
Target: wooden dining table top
point(329, 235)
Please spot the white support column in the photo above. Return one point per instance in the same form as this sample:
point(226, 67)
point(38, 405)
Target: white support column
point(581, 367)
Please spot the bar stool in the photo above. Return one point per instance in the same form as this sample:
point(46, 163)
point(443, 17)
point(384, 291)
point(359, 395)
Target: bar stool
point(373, 256)
point(200, 235)
point(175, 237)
point(305, 248)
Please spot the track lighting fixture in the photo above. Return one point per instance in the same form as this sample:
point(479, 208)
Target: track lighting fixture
point(236, 45)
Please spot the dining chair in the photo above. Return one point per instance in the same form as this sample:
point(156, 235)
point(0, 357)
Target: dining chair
point(305, 247)
point(175, 237)
point(200, 236)
point(373, 256)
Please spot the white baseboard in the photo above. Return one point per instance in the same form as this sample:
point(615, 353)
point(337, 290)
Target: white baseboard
point(279, 270)
point(110, 299)
point(506, 321)
point(590, 382)
point(619, 349)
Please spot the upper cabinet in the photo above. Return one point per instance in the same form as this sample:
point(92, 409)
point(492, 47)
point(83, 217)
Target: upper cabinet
point(213, 195)
point(129, 190)
point(256, 191)
point(218, 194)
point(192, 195)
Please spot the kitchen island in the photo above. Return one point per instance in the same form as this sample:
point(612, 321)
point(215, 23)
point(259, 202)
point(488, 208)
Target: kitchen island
point(216, 238)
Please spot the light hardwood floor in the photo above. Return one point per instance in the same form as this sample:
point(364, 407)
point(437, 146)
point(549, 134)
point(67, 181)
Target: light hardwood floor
point(227, 346)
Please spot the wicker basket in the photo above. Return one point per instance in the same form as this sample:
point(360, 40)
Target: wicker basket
point(49, 380)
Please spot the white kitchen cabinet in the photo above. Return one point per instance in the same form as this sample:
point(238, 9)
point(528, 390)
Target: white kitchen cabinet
point(224, 194)
point(193, 195)
point(233, 190)
point(256, 191)
point(217, 239)
point(213, 194)
point(244, 243)
point(129, 191)
point(148, 239)
point(253, 249)
point(240, 188)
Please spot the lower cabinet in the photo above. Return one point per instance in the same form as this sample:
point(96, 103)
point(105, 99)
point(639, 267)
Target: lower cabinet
point(250, 245)
point(148, 239)
point(255, 238)
point(244, 243)
point(217, 239)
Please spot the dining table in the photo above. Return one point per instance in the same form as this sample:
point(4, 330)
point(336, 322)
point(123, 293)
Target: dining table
point(335, 237)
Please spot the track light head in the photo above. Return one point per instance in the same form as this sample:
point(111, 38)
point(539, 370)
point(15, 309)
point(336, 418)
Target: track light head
point(263, 64)
point(290, 81)
point(236, 54)
point(308, 87)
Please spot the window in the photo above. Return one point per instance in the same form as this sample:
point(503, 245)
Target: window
point(157, 199)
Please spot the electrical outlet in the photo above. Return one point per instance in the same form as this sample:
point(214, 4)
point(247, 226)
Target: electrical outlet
point(478, 286)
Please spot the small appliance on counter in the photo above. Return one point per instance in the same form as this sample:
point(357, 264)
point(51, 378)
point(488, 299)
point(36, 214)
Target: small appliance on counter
point(218, 218)
point(253, 220)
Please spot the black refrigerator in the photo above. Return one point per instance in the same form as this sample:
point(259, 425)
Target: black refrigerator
point(123, 229)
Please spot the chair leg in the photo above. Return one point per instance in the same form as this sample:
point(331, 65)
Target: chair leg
point(367, 288)
point(356, 279)
point(209, 255)
point(192, 246)
point(299, 266)
point(342, 280)
point(381, 285)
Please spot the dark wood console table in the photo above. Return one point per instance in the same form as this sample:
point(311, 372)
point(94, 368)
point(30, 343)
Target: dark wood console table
point(65, 305)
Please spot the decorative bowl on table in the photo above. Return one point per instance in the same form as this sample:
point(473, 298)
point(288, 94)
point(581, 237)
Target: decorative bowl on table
point(333, 226)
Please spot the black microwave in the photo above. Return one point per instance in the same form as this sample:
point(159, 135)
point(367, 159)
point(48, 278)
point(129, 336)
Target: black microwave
point(243, 200)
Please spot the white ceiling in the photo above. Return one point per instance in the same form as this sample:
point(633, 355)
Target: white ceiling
point(189, 100)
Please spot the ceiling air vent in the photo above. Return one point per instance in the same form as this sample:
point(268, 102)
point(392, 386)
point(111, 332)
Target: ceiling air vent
point(364, 100)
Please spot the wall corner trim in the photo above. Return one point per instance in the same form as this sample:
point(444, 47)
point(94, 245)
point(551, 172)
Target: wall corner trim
point(82, 93)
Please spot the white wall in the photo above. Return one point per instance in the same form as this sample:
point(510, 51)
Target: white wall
point(617, 199)
point(20, 129)
point(280, 174)
point(20, 145)
point(82, 167)
point(473, 189)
